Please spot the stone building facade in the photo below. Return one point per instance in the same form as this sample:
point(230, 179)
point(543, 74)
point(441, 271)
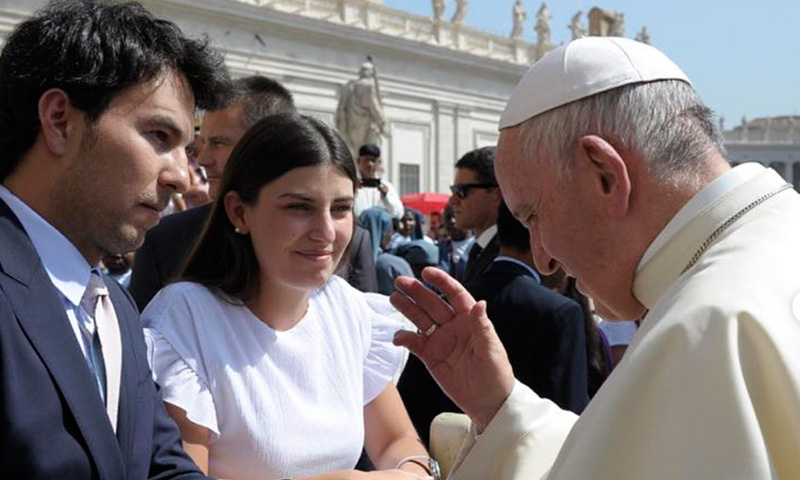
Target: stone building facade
point(773, 141)
point(444, 85)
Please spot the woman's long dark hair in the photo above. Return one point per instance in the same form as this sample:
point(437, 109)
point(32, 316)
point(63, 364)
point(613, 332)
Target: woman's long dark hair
point(225, 260)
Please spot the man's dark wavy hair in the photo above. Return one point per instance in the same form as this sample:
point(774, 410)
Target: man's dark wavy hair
point(511, 232)
point(93, 51)
point(480, 161)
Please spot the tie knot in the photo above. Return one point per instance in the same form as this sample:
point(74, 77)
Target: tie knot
point(94, 290)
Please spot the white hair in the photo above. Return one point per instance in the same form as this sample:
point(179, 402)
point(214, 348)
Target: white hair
point(664, 121)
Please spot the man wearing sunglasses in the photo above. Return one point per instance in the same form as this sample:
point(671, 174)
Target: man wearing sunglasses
point(476, 198)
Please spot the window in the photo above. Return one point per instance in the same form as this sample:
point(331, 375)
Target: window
point(409, 178)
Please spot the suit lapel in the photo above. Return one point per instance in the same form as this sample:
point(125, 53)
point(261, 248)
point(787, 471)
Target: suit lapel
point(129, 380)
point(38, 308)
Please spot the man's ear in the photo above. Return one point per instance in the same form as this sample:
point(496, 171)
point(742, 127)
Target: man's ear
point(234, 208)
point(56, 116)
point(607, 174)
point(497, 196)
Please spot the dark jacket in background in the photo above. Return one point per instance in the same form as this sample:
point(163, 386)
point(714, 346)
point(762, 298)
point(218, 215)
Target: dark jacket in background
point(476, 266)
point(166, 246)
point(542, 332)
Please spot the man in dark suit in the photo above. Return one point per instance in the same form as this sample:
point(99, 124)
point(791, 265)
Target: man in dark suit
point(475, 200)
point(94, 120)
point(168, 245)
point(542, 332)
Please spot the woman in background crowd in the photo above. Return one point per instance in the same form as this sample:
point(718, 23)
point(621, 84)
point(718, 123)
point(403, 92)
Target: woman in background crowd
point(387, 265)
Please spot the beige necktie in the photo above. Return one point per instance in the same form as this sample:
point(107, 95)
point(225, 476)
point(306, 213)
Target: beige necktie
point(98, 304)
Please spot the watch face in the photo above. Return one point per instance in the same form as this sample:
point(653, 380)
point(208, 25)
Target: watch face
point(436, 473)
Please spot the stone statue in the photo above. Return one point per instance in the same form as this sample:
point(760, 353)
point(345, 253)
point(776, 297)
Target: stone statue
point(542, 26)
point(617, 28)
point(460, 13)
point(359, 115)
point(643, 36)
point(519, 20)
point(341, 7)
point(576, 26)
point(438, 10)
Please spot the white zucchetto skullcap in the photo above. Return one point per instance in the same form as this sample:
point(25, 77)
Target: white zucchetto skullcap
point(582, 68)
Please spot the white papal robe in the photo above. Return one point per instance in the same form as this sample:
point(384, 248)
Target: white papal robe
point(710, 386)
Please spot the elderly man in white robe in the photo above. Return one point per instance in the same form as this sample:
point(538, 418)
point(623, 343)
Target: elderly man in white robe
point(616, 167)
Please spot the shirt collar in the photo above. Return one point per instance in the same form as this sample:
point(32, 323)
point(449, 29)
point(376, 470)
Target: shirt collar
point(459, 243)
point(486, 236)
point(531, 270)
point(681, 249)
point(700, 202)
point(67, 268)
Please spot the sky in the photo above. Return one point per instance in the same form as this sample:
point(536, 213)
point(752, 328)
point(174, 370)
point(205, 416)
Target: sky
point(743, 57)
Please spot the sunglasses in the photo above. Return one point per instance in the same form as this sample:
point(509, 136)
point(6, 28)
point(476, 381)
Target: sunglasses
point(461, 190)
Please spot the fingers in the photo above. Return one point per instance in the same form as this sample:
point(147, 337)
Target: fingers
point(412, 341)
point(411, 310)
point(480, 324)
point(483, 332)
point(436, 309)
point(458, 296)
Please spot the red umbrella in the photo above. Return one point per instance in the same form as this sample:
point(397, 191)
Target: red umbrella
point(426, 202)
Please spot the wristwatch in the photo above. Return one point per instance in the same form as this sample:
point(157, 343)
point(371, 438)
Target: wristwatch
point(433, 466)
point(428, 463)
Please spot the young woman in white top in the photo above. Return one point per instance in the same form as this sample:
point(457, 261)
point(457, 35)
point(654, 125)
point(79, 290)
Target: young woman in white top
point(271, 366)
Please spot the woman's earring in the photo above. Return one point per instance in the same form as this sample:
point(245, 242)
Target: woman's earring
point(237, 230)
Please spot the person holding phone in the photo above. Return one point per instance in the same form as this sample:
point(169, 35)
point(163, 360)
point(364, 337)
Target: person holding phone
point(375, 192)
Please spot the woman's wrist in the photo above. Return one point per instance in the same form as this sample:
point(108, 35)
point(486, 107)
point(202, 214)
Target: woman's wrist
point(415, 467)
point(420, 464)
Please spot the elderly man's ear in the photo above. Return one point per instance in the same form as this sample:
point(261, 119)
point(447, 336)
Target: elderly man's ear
point(605, 174)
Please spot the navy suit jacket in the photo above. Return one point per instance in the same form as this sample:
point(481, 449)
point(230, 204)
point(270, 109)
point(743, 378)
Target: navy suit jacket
point(543, 333)
point(53, 422)
point(166, 247)
point(476, 268)
point(168, 244)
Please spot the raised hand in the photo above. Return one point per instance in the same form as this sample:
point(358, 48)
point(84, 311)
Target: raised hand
point(457, 342)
